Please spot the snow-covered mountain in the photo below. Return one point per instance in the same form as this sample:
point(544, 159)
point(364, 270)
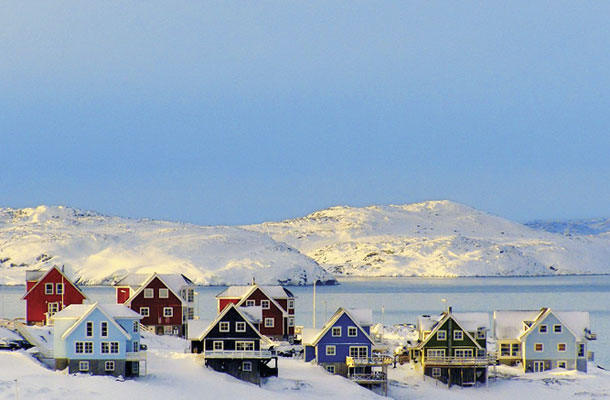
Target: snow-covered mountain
point(435, 238)
point(99, 249)
point(593, 226)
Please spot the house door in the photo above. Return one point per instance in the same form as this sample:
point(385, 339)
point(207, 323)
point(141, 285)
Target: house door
point(538, 366)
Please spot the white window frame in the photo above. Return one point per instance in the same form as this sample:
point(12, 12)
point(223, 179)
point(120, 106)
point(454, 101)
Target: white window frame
point(163, 293)
point(136, 326)
point(265, 304)
point(82, 347)
point(481, 334)
point(145, 311)
point(564, 366)
point(59, 288)
point(458, 335)
point(109, 366)
point(291, 321)
point(463, 353)
point(356, 352)
point(103, 324)
point(89, 327)
point(336, 329)
point(135, 346)
point(240, 326)
point(104, 347)
point(88, 345)
point(165, 312)
point(246, 366)
point(218, 345)
point(351, 329)
point(436, 372)
point(269, 322)
point(224, 326)
point(546, 329)
point(83, 366)
point(558, 326)
point(441, 335)
point(48, 286)
point(290, 304)
point(149, 293)
point(435, 353)
point(250, 303)
point(330, 369)
point(248, 345)
point(115, 348)
point(52, 308)
point(330, 350)
point(565, 347)
point(541, 347)
point(584, 350)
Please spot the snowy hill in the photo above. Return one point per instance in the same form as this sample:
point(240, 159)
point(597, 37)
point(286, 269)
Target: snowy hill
point(100, 249)
point(435, 238)
point(574, 227)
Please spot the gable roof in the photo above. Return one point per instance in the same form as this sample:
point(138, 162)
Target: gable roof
point(274, 292)
point(64, 280)
point(545, 312)
point(219, 318)
point(510, 324)
point(171, 281)
point(80, 312)
point(445, 316)
point(253, 289)
point(331, 322)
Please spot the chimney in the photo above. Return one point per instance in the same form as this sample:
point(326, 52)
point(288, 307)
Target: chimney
point(449, 309)
point(253, 283)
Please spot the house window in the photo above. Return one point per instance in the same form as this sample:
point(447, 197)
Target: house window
point(79, 347)
point(88, 347)
point(145, 311)
point(48, 288)
point(218, 345)
point(504, 349)
point(265, 304)
point(190, 295)
point(109, 366)
point(435, 353)
point(336, 332)
point(441, 335)
point(104, 329)
point(463, 353)
point(250, 303)
point(330, 369)
point(83, 366)
point(89, 329)
point(352, 331)
point(136, 326)
point(458, 335)
point(59, 288)
point(224, 327)
point(581, 349)
point(331, 350)
point(358, 351)
point(246, 366)
point(168, 312)
point(149, 293)
point(190, 313)
point(105, 347)
point(240, 326)
point(269, 322)
point(163, 293)
point(52, 308)
point(538, 347)
point(135, 367)
point(561, 364)
point(290, 304)
point(290, 321)
point(515, 350)
point(542, 329)
point(168, 330)
point(481, 334)
point(557, 328)
point(436, 373)
point(244, 346)
point(135, 346)
point(561, 347)
point(114, 347)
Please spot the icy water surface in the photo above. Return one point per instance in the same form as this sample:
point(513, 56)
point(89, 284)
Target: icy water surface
point(404, 299)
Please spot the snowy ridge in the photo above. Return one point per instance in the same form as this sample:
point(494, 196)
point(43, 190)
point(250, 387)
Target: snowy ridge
point(435, 238)
point(97, 249)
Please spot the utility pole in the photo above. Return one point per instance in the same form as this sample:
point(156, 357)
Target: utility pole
point(314, 304)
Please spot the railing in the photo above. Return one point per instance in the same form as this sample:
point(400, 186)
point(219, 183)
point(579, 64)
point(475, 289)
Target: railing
point(590, 335)
point(135, 356)
point(590, 356)
point(364, 361)
point(372, 377)
point(460, 361)
point(239, 354)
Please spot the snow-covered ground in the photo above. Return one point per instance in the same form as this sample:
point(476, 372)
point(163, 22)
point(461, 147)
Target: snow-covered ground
point(174, 373)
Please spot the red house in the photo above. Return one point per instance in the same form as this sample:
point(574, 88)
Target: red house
point(166, 301)
point(277, 304)
point(48, 293)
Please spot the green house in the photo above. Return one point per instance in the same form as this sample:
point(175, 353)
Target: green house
point(452, 348)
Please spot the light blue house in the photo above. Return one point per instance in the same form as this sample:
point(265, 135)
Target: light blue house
point(541, 340)
point(100, 339)
point(344, 347)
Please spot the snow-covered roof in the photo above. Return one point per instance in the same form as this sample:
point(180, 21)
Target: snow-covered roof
point(253, 313)
point(331, 322)
point(174, 281)
point(196, 327)
point(7, 334)
point(275, 292)
point(364, 316)
point(76, 311)
point(509, 324)
point(428, 322)
point(468, 321)
point(308, 335)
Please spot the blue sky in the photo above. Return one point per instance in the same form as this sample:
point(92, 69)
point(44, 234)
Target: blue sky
point(241, 112)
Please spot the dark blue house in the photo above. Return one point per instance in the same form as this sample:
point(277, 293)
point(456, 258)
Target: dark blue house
point(344, 347)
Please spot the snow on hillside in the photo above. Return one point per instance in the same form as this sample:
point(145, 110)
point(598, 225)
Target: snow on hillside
point(435, 238)
point(574, 227)
point(99, 249)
